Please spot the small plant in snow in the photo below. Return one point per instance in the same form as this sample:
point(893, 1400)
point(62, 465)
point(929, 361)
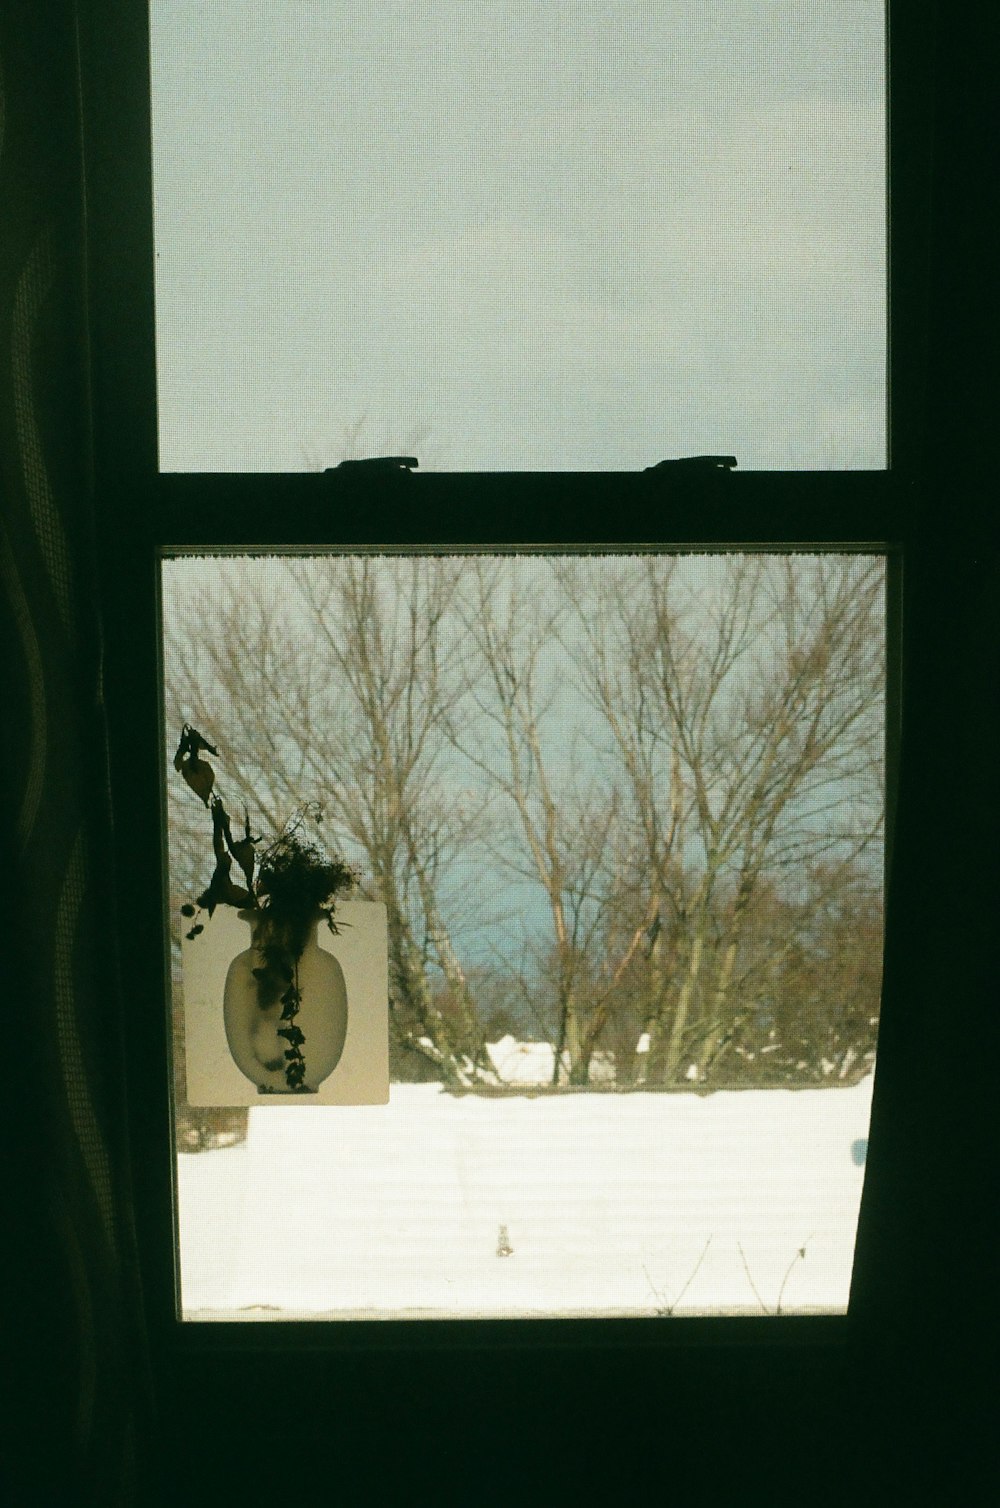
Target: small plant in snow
point(665, 1310)
point(798, 1257)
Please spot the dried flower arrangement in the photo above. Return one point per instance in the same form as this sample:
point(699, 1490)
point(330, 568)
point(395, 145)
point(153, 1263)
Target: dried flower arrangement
point(288, 885)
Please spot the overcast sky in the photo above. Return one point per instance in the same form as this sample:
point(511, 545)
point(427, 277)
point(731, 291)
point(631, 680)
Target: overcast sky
point(505, 234)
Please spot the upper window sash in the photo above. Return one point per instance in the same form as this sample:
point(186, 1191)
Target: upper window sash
point(122, 260)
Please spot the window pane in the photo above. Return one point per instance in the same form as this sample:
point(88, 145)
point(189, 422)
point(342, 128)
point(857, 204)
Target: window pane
point(584, 234)
point(625, 816)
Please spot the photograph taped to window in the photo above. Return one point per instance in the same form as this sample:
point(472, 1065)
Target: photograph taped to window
point(579, 235)
point(328, 1043)
point(625, 814)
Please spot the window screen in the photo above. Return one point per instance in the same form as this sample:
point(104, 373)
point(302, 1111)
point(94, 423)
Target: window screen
point(621, 817)
point(577, 235)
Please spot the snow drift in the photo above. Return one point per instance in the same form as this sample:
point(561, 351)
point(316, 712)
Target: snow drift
point(577, 1205)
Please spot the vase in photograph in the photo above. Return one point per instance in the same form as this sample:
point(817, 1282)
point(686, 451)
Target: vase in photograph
point(253, 1012)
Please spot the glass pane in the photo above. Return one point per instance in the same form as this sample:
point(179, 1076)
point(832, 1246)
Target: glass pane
point(622, 819)
point(579, 235)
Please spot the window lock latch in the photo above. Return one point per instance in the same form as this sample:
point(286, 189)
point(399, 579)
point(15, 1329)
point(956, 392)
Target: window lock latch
point(694, 464)
point(375, 465)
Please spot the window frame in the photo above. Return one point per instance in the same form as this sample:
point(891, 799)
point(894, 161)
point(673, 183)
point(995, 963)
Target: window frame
point(141, 513)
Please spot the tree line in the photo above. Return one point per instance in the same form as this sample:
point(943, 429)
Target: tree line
point(627, 804)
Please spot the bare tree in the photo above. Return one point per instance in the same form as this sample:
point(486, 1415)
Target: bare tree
point(334, 686)
point(818, 1014)
point(562, 821)
point(746, 720)
point(679, 846)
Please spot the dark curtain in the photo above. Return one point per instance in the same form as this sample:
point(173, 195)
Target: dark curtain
point(74, 1338)
point(80, 1417)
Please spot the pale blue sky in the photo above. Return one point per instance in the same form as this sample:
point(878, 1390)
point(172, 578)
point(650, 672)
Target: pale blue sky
point(551, 235)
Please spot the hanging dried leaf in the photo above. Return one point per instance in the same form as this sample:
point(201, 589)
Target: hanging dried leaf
point(190, 744)
point(200, 776)
point(295, 879)
point(221, 890)
point(243, 850)
point(197, 742)
point(222, 833)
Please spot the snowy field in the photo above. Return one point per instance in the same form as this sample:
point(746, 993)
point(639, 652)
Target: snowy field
point(610, 1205)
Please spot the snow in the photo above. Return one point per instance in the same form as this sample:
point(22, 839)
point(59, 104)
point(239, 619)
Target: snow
point(524, 1063)
point(531, 1063)
point(607, 1202)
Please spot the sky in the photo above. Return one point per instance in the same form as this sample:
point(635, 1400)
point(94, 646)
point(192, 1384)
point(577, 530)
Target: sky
point(578, 234)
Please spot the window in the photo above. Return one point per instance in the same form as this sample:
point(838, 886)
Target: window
point(578, 236)
point(624, 814)
point(489, 504)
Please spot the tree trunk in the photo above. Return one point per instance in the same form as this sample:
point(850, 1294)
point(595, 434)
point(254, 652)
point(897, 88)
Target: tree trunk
point(415, 991)
point(679, 1023)
point(717, 1026)
point(569, 1043)
point(579, 1072)
point(451, 969)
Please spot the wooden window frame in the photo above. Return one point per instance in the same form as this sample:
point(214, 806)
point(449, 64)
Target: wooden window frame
point(142, 513)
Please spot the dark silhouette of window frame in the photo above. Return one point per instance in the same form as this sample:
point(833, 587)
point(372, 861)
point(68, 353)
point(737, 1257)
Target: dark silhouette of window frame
point(142, 513)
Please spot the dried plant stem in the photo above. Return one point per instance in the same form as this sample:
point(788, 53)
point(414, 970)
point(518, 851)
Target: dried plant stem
point(668, 1309)
point(798, 1257)
point(750, 1280)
